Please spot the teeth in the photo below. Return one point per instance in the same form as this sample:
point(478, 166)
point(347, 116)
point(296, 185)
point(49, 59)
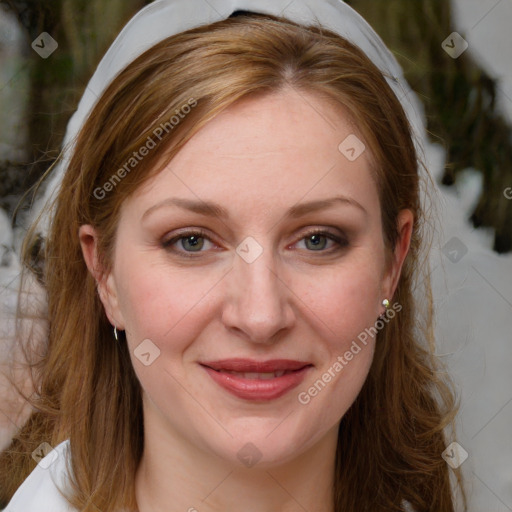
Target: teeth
point(257, 376)
point(262, 376)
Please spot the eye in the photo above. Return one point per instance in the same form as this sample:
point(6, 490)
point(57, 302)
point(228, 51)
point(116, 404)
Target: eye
point(194, 240)
point(191, 241)
point(319, 239)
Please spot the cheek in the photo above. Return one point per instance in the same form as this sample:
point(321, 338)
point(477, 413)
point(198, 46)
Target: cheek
point(165, 302)
point(157, 298)
point(160, 302)
point(165, 306)
point(344, 307)
point(346, 299)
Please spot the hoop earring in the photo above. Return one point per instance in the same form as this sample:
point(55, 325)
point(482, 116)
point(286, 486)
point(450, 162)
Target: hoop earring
point(115, 333)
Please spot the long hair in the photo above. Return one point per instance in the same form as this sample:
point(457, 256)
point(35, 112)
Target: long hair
point(391, 439)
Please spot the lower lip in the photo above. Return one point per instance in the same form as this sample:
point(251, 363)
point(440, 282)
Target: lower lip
point(256, 389)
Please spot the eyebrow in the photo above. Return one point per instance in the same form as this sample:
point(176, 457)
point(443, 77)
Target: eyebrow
point(211, 209)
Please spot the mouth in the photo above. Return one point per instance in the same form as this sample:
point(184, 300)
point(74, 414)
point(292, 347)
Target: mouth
point(258, 376)
point(257, 380)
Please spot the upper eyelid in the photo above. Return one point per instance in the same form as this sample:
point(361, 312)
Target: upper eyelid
point(323, 231)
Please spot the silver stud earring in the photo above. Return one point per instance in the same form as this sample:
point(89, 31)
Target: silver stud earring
point(115, 333)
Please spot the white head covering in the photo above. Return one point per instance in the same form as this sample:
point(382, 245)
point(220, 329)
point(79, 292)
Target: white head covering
point(164, 18)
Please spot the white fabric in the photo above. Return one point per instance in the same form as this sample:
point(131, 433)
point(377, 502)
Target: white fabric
point(39, 492)
point(164, 18)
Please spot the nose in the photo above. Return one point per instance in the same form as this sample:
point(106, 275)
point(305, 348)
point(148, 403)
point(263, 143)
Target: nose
point(257, 305)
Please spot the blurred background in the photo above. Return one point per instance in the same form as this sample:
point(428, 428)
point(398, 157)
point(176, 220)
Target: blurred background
point(456, 56)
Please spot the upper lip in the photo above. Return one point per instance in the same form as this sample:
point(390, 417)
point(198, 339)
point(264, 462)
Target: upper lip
point(250, 365)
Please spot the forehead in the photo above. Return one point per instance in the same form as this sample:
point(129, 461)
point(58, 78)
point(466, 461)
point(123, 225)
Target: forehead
point(275, 149)
point(285, 120)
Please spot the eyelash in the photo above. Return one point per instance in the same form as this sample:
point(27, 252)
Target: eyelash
point(341, 242)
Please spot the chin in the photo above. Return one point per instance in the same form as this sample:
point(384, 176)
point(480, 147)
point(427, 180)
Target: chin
point(264, 445)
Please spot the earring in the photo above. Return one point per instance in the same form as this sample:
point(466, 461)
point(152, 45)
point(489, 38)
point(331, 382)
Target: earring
point(385, 303)
point(115, 333)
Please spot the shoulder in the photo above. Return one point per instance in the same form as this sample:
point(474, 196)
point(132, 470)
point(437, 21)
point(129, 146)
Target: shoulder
point(40, 491)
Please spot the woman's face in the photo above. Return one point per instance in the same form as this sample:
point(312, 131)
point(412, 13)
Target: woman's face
point(209, 318)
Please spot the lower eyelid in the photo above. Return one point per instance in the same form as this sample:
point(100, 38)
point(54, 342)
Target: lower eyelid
point(340, 242)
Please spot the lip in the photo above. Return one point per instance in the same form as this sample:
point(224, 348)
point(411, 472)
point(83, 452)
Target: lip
point(253, 388)
point(251, 365)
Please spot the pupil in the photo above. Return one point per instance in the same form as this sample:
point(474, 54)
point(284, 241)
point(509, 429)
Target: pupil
point(315, 239)
point(194, 239)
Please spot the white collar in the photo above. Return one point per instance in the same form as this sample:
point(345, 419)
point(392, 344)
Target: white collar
point(40, 490)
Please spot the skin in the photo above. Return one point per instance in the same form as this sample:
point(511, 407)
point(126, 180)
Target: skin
point(297, 300)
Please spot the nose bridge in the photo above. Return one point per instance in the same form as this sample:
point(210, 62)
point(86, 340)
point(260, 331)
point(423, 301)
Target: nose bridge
point(258, 297)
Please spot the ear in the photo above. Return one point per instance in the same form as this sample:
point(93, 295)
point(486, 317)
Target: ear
point(392, 272)
point(105, 282)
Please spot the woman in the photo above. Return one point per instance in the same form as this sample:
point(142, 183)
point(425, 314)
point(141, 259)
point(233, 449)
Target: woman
point(230, 268)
